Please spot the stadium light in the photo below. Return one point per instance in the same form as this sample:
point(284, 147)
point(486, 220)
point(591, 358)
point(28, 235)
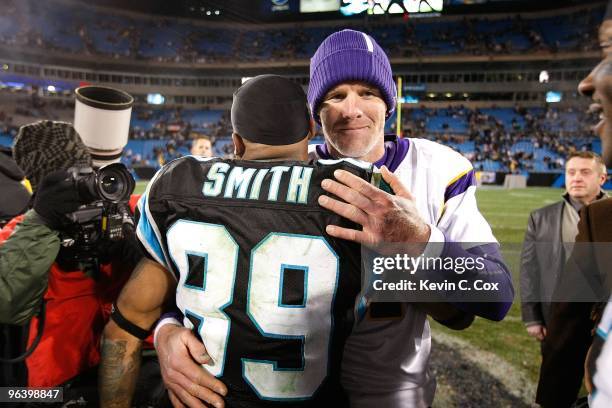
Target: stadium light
point(315, 6)
point(553, 96)
point(409, 99)
point(155, 99)
point(15, 85)
point(51, 88)
point(544, 77)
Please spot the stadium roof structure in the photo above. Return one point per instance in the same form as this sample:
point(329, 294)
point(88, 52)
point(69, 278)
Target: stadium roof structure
point(108, 38)
point(258, 11)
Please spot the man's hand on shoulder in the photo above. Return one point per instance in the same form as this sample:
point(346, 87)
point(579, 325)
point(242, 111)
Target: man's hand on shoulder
point(385, 218)
point(181, 356)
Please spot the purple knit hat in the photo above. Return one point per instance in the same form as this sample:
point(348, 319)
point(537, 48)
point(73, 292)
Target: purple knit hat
point(349, 55)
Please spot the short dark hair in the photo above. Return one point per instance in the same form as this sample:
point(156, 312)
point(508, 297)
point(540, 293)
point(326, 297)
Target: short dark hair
point(588, 155)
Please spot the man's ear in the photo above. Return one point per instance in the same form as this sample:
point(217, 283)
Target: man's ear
point(238, 145)
point(312, 129)
point(603, 179)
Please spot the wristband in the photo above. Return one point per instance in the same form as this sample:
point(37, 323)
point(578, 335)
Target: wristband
point(128, 326)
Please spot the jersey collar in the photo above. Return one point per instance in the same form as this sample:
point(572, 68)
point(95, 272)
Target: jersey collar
point(395, 151)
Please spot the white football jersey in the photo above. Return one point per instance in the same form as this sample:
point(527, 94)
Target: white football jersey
point(385, 362)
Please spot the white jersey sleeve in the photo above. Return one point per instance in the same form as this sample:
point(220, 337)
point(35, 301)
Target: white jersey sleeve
point(444, 187)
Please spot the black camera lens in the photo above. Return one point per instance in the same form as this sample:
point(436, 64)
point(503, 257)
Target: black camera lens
point(115, 183)
point(110, 184)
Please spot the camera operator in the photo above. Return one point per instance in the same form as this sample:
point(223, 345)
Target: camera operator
point(33, 242)
point(15, 195)
point(78, 298)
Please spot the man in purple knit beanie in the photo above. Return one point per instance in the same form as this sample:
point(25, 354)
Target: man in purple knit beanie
point(385, 361)
point(351, 94)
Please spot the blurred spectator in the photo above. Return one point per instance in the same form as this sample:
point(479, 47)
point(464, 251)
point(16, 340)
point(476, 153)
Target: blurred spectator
point(549, 239)
point(201, 145)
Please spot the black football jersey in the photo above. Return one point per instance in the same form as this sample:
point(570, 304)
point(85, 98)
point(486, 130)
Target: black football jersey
point(259, 281)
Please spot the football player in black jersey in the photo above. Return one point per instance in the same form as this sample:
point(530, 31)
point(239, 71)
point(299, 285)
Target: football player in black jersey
point(240, 246)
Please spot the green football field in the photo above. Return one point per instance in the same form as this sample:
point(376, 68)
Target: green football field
point(140, 187)
point(507, 212)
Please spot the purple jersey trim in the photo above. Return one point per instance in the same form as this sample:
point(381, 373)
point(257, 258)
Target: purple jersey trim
point(495, 270)
point(173, 314)
point(396, 150)
point(460, 186)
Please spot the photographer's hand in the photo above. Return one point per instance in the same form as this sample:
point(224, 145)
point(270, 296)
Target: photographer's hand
point(54, 198)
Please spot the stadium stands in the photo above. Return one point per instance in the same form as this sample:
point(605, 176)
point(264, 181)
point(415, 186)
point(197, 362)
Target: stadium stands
point(77, 28)
point(494, 139)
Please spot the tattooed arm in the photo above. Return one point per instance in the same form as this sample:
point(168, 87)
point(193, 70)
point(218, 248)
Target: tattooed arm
point(140, 302)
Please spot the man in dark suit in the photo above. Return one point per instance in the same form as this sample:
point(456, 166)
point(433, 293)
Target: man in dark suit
point(570, 329)
point(549, 241)
point(583, 285)
point(550, 235)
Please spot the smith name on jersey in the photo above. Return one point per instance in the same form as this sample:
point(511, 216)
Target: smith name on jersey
point(268, 291)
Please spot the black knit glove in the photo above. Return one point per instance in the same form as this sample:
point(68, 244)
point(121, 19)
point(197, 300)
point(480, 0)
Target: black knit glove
point(56, 196)
point(126, 251)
